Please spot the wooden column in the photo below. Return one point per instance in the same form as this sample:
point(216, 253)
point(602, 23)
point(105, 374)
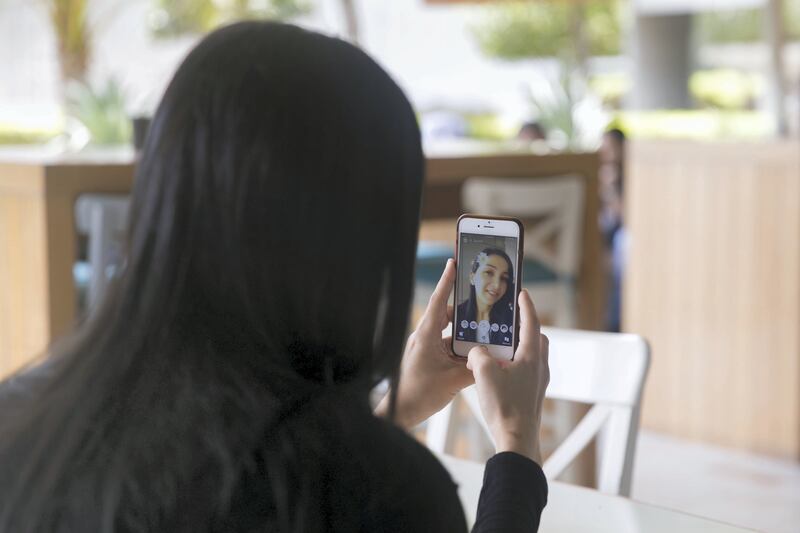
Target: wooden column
point(24, 300)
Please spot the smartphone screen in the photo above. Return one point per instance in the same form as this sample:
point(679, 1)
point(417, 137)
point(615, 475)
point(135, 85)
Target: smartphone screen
point(486, 287)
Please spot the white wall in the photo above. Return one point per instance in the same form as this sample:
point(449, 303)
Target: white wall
point(28, 64)
point(427, 49)
point(30, 90)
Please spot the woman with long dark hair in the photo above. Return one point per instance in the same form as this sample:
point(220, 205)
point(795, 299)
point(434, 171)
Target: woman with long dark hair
point(490, 304)
point(223, 384)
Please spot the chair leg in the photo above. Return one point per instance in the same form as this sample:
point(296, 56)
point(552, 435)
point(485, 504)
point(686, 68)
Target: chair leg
point(566, 417)
point(567, 309)
point(438, 429)
point(616, 463)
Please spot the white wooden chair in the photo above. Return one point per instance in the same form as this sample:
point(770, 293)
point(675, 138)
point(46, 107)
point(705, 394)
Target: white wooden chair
point(607, 370)
point(552, 244)
point(103, 218)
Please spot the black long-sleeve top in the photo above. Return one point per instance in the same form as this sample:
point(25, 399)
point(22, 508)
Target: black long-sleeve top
point(513, 496)
point(366, 475)
point(395, 484)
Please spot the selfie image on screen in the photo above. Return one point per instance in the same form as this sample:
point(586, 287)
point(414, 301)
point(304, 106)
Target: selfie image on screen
point(486, 294)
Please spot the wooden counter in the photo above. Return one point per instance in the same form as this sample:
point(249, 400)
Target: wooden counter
point(38, 240)
point(713, 282)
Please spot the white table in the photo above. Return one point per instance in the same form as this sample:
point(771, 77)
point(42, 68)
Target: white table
point(576, 509)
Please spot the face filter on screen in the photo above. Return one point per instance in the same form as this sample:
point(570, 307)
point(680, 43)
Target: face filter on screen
point(485, 300)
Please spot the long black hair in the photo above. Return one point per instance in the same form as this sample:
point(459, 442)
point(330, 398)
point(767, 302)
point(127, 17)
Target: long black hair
point(502, 310)
point(272, 151)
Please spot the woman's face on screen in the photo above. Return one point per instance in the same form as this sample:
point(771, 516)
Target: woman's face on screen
point(490, 279)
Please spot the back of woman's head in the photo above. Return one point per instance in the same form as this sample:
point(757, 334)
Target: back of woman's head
point(270, 256)
point(278, 198)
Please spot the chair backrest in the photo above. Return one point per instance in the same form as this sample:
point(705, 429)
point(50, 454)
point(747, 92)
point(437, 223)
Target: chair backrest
point(103, 218)
point(607, 370)
point(556, 203)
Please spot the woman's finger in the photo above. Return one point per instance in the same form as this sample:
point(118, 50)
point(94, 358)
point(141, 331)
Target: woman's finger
point(478, 359)
point(447, 346)
point(544, 347)
point(437, 305)
point(447, 318)
point(529, 327)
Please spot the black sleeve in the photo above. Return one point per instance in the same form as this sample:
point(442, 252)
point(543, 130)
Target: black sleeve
point(513, 495)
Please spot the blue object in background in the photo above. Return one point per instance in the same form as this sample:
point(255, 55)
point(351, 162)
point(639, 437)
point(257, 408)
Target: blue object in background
point(431, 260)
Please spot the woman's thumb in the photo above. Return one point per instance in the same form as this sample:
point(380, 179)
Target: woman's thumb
point(477, 358)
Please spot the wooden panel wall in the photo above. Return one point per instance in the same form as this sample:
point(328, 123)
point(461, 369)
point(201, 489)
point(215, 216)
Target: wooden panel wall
point(713, 281)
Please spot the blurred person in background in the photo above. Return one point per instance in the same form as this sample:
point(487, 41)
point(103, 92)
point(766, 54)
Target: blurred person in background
point(443, 124)
point(223, 384)
point(531, 131)
point(612, 224)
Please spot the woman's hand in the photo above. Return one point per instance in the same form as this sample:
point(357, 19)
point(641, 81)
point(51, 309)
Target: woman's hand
point(511, 393)
point(430, 374)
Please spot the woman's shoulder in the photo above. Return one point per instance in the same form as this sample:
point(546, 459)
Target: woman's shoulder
point(401, 444)
point(397, 451)
point(368, 475)
point(415, 491)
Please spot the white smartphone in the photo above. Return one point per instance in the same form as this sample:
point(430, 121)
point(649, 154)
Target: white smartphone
point(488, 281)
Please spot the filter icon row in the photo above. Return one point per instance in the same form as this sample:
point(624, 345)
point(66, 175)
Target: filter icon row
point(503, 328)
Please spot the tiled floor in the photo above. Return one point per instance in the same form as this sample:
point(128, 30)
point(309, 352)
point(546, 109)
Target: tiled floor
point(730, 486)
